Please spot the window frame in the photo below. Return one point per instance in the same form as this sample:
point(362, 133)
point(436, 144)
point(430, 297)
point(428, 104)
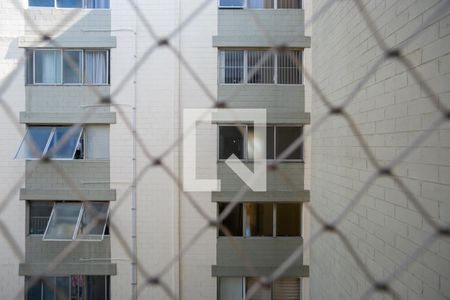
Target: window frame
point(245, 81)
point(274, 221)
point(77, 226)
point(246, 6)
point(55, 6)
point(81, 71)
point(82, 136)
point(41, 284)
point(246, 141)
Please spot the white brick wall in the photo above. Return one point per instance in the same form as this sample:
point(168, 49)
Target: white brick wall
point(391, 110)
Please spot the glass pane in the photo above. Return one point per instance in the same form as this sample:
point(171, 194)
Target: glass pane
point(39, 214)
point(231, 141)
point(48, 66)
point(34, 142)
point(63, 221)
point(230, 288)
point(231, 3)
point(77, 287)
point(232, 66)
point(255, 144)
point(96, 288)
point(49, 288)
point(288, 219)
point(233, 221)
point(34, 291)
point(96, 70)
point(260, 3)
point(285, 136)
point(30, 66)
point(286, 289)
point(63, 143)
point(260, 66)
point(97, 3)
point(62, 288)
point(289, 67)
point(270, 142)
point(258, 219)
point(46, 3)
point(72, 66)
point(93, 221)
point(69, 3)
point(289, 4)
point(261, 294)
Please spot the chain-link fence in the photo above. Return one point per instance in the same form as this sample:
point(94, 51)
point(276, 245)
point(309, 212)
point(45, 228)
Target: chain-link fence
point(383, 285)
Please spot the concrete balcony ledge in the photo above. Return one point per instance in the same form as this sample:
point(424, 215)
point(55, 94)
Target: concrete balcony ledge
point(294, 42)
point(232, 271)
point(35, 269)
point(67, 118)
point(272, 196)
point(67, 195)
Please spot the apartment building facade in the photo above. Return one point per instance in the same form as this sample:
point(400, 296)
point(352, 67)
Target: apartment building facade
point(78, 208)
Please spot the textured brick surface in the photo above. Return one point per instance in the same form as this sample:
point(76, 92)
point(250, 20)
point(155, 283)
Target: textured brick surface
point(391, 110)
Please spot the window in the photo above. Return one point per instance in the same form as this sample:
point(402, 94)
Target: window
point(74, 287)
point(233, 222)
point(67, 67)
point(262, 219)
point(76, 220)
point(258, 4)
point(231, 3)
point(236, 288)
point(232, 66)
point(69, 3)
point(242, 141)
point(231, 141)
point(260, 67)
point(61, 142)
point(39, 213)
point(258, 219)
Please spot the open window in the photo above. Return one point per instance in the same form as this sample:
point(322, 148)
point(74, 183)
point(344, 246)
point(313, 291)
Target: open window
point(76, 220)
point(39, 214)
point(62, 142)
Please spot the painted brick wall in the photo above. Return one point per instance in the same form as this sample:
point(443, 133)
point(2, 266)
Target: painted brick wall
point(391, 110)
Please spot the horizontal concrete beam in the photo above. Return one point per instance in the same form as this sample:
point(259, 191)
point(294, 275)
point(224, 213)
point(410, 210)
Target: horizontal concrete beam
point(90, 268)
point(79, 41)
point(233, 271)
point(273, 196)
point(67, 195)
point(261, 42)
point(67, 118)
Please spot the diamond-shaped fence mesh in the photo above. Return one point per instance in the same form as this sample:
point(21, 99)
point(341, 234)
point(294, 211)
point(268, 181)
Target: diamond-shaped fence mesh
point(327, 226)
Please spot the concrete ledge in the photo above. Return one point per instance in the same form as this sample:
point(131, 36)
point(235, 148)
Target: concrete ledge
point(90, 268)
point(293, 42)
point(251, 196)
point(74, 41)
point(233, 271)
point(67, 194)
point(67, 118)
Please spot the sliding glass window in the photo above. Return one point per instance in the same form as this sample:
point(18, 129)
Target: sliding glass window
point(69, 3)
point(67, 67)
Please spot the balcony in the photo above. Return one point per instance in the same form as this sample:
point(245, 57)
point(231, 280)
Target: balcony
point(263, 254)
point(88, 258)
point(261, 28)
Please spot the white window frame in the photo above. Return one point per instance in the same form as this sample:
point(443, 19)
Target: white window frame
point(246, 67)
point(82, 69)
point(77, 226)
point(55, 6)
point(245, 156)
point(47, 146)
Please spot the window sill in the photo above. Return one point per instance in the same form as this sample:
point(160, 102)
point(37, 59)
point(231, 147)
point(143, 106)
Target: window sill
point(270, 161)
